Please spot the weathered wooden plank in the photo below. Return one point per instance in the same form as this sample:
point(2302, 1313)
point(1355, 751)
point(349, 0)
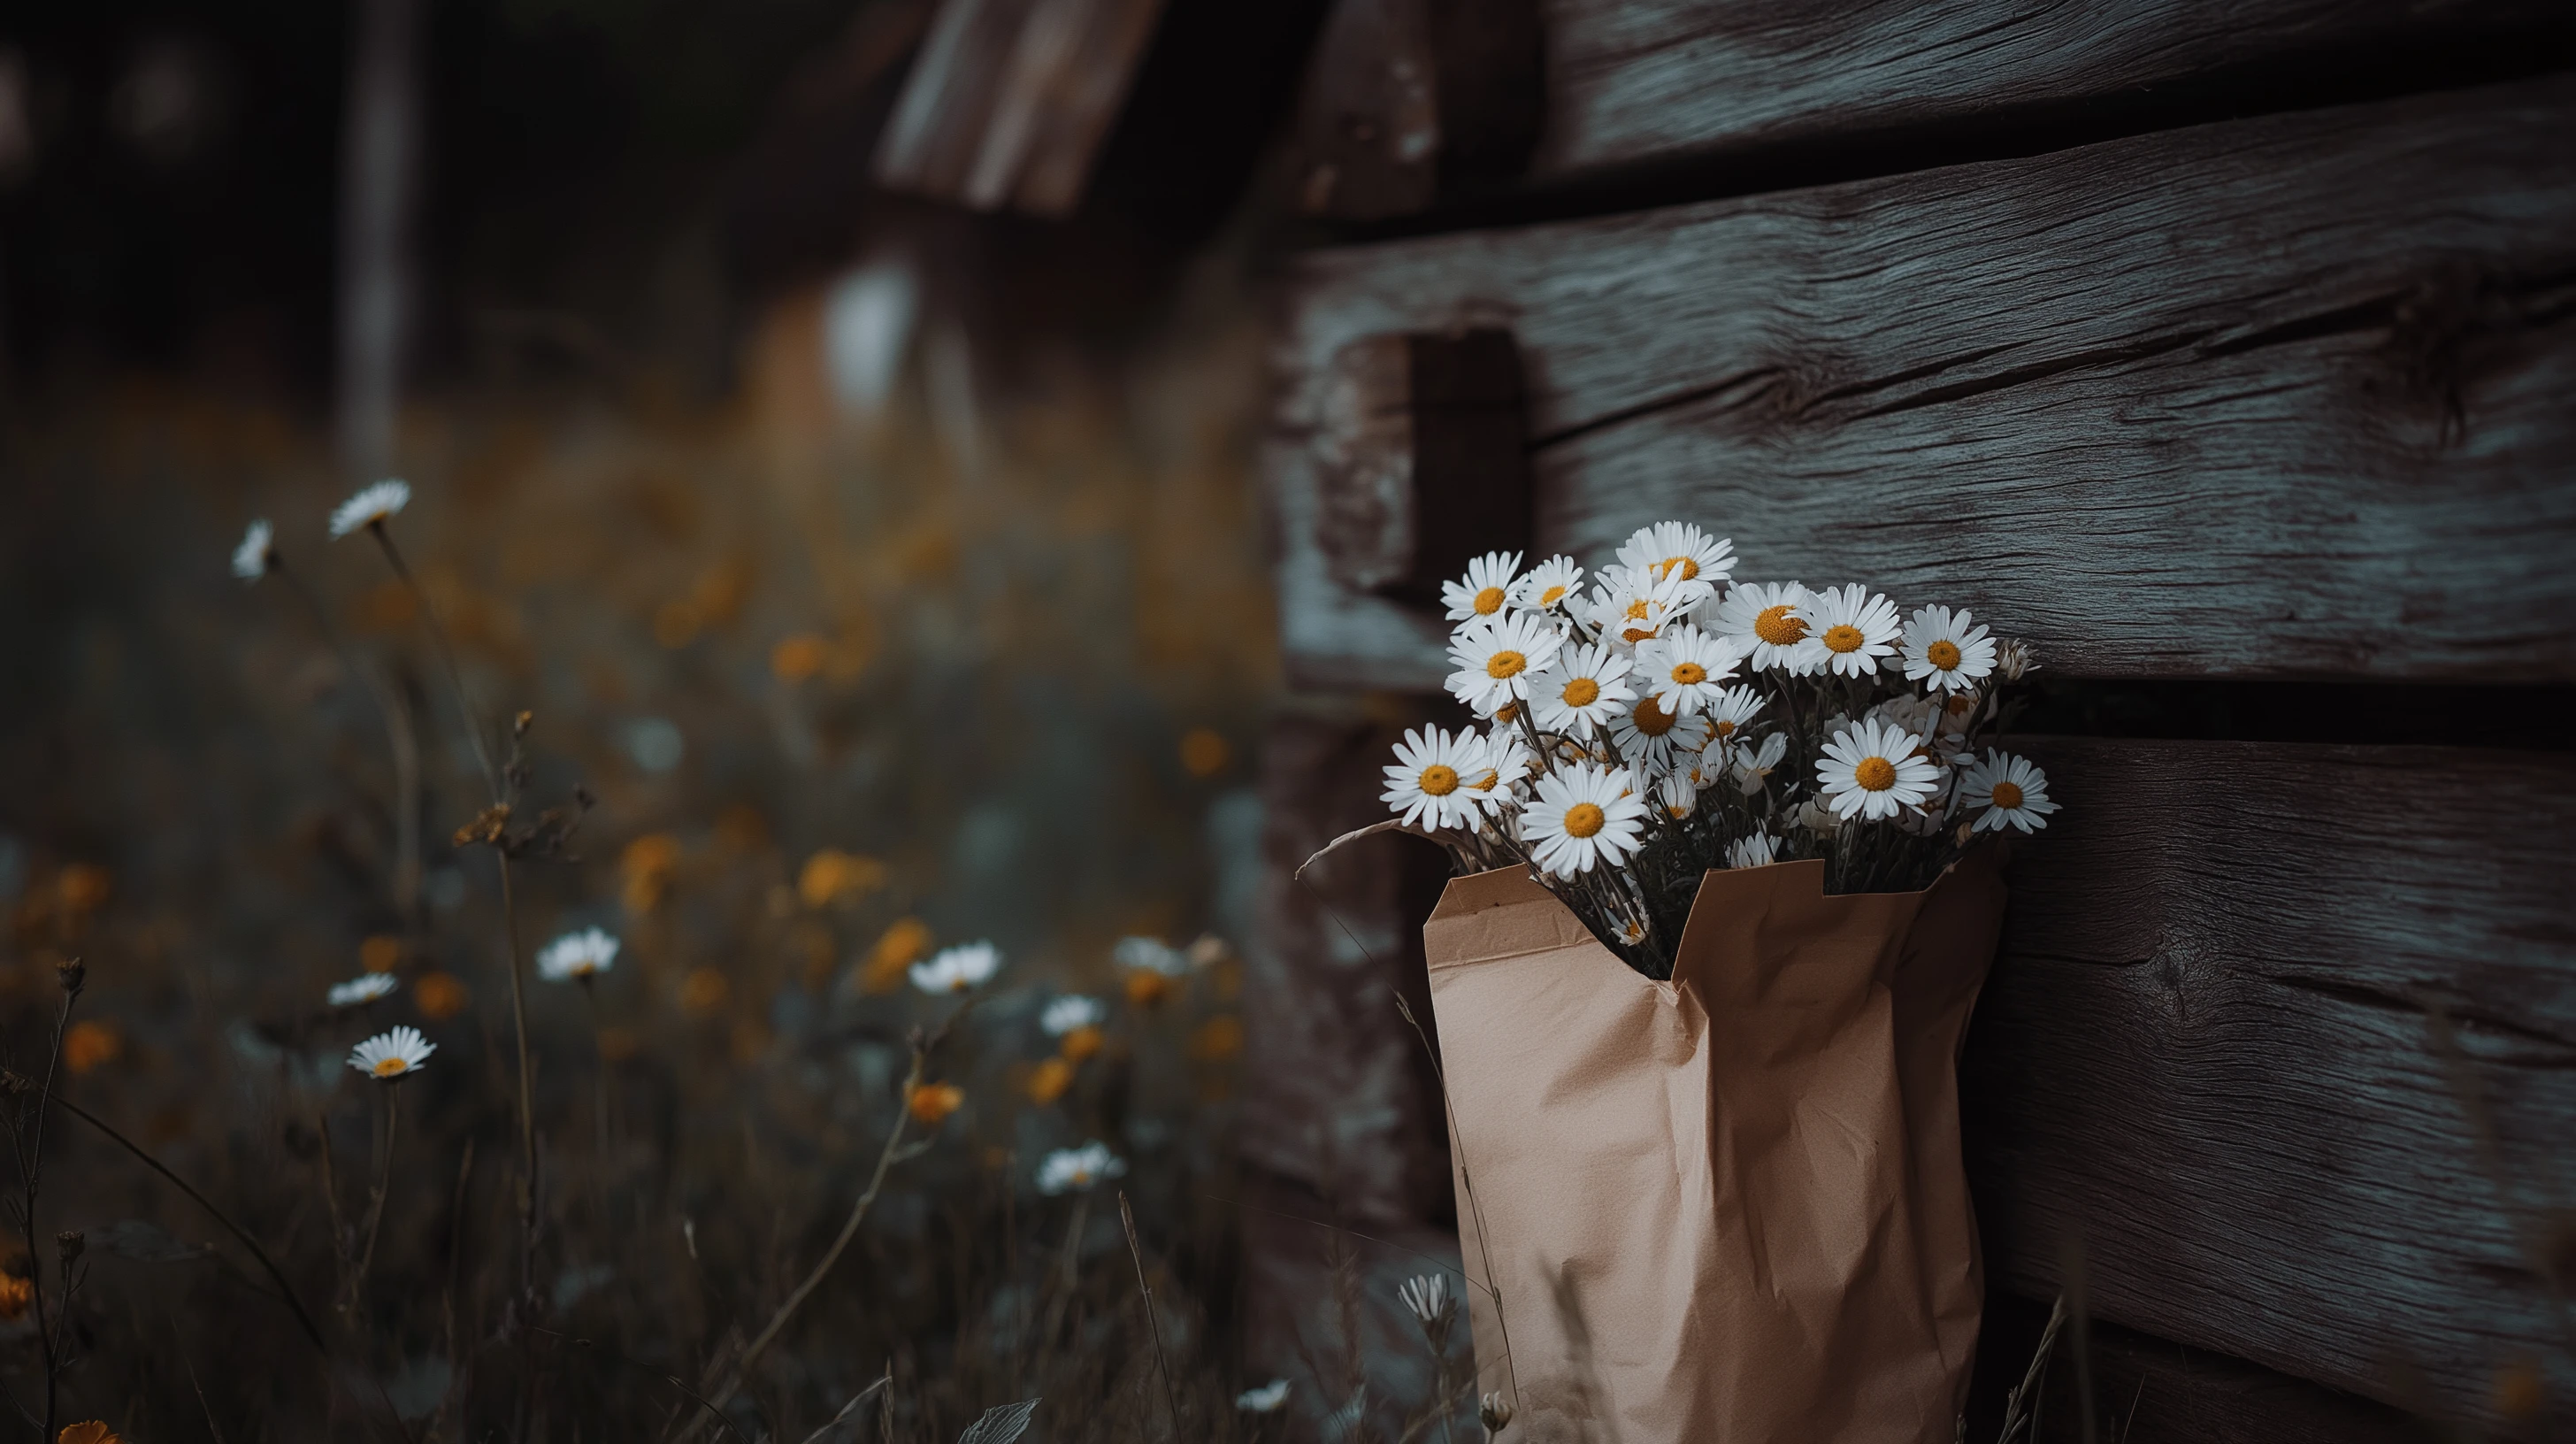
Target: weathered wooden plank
point(1633, 81)
point(2154, 1391)
point(2280, 397)
point(2207, 1054)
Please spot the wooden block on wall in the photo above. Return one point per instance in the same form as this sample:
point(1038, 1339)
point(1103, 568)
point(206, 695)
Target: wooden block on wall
point(1423, 461)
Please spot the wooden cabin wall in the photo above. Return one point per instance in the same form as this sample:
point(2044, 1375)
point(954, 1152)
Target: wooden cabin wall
point(2223, 351)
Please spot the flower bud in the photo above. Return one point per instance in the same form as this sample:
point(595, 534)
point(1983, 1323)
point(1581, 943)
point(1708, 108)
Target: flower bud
point(70, 1242)
point(1495, 1412)
point(71, 973)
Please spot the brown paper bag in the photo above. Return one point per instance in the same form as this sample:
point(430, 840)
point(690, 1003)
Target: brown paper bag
point(1730, 1208)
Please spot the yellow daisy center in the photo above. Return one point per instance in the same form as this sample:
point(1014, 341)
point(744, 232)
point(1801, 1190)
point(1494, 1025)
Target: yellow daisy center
point(1875, 774)
point(1943, 654)
point(1489, 601)
point(1650, 719)
point(1439, 781)
point(2007, 795)
point(1636, 634)
point(1486, 783)
point(1582, 692)
point(1776, 626)
point(1551, 596)
point(1507, 712)
point(1637, 610)
point(1687, 567)
point(391, 1067)
point(1583, 819)
point(1505, 664)
point(1843, 638)
point(1690, 674)
point(1725, 727)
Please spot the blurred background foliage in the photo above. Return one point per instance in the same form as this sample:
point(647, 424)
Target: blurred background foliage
point(889, 575)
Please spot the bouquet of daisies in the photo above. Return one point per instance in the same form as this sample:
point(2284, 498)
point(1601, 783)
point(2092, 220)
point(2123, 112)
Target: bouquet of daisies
point(1668, 721)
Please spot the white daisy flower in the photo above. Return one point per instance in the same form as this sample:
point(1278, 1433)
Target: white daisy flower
point(957, 969)
point(1753, 765)
point(1849, 628)
point(1817, 818)
point(371, 505)
point(1551, 586)
point(1671, 548)
point(577, 957)
point(1495, 657)
point(1685, 669)
point(392, 1056)
point(1945, 653)
point(1149, 955)
point(1958, 710)
point(1582, 815)
point(2012, 791)
point(1077, 1170)
point(1677, 791)
point(1911, 711)
point(1508, 764)
point(1427, 1295)
point(1631, 607)
point(1487, 589)
point(1873, 771)
point(1582, 689)
point(2013, 660)
point(1754, 851)
point(1263, 1400)
point(1728, 716)
point(257, 552)
point(1652, 739)
point(1763, 618)
point(1071, 1012)
point(362, 990)
point(1433, 782)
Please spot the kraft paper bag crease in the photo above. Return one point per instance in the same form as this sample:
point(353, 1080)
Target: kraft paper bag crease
point(1729, 1207)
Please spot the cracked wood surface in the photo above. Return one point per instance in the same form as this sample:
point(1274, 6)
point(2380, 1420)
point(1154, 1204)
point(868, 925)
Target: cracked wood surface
point(2271, 398)
point(2207, 1050)
point(1643, 81)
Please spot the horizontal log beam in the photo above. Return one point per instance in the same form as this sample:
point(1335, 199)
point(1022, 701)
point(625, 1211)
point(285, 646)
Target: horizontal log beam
point(2210, 1060)
point(2273, 398)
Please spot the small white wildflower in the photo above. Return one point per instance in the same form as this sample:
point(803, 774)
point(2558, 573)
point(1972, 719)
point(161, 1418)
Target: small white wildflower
point(1077, 1170)
point(957, 969)
point(1581, 690)
point(1727, 716)
point(1071, 1012)
point(1685, 670)
point(362, 990)
point(1427, 1295)
point(2013, 660)
point(1653, 740)
point(257, 552)
point(371, 505)
point(1150, 955)
point(1264, 1399)
point(392, 1056)
point(577, 957)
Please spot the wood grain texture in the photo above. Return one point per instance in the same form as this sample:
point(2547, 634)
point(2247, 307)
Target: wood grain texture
point(2272, 398)
point(2206, 1053)
point(1339, 1095)
point(1633, 81)
point(2154, 1391)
